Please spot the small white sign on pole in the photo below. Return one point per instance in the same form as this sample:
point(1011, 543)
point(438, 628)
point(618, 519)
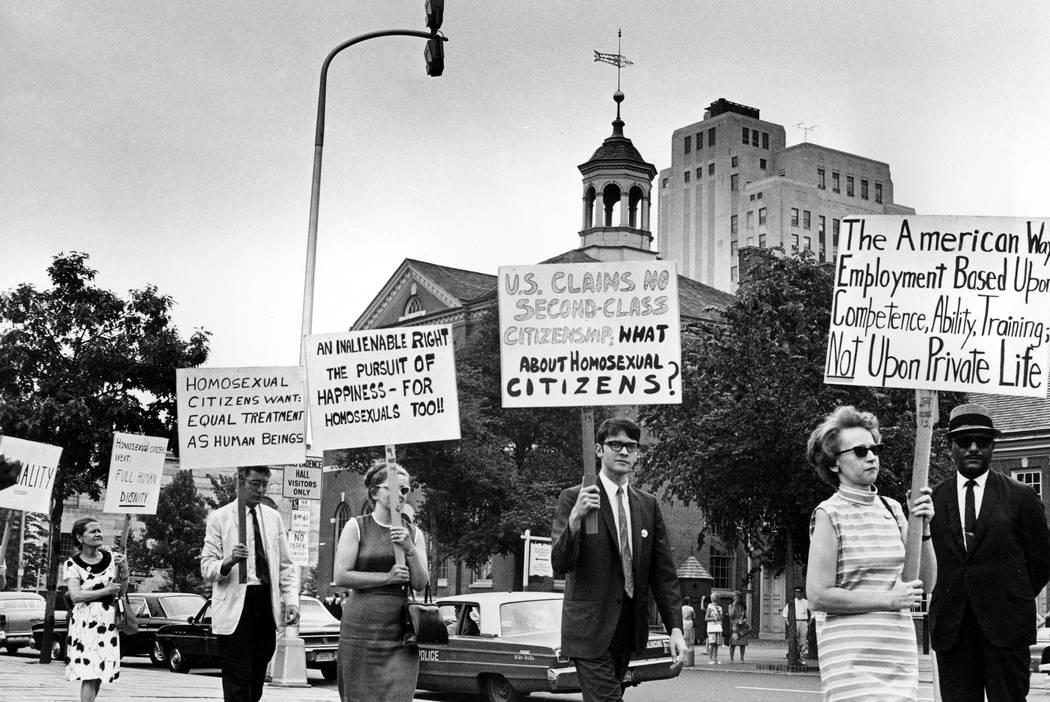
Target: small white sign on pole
point(942, 303)
point(302, 482)
point(300, 520)
point(299, 547)
point(29, 490)
point(382, 386)
point(540, 559)
point(135, 467)
point(240, 416)
point(582, 334)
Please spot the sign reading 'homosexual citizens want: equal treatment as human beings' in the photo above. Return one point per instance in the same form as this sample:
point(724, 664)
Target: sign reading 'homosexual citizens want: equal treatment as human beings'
point(382, 386)
point(582, 334)
point(240, 416)
point(942, 303)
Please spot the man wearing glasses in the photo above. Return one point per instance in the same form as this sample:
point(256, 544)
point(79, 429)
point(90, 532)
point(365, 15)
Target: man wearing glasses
point(244, 614)
point(609, 575)
point(993, 557)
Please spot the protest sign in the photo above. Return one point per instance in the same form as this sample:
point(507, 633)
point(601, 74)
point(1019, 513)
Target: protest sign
point(302, 482)
point(240, 416)
point(299, 547)
point(135, 467)
point(581, 334)
point(29, 490)
point(942, 303)
point(382, 386)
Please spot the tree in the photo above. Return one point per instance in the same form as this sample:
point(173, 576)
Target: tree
point(77, 363)
point(224, 490)
point(753, 390)
point(173, 536)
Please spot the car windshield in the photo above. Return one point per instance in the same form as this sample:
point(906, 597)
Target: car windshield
point(181, 606)
point(518, 618)
point(313, 613)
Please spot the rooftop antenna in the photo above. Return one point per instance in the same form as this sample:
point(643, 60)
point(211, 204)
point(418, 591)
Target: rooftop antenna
point(806, 129)
point(617, 59)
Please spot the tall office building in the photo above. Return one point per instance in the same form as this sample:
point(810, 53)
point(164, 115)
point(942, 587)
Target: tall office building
point(734, 182)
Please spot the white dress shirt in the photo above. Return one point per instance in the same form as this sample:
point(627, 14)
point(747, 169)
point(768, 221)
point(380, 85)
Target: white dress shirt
point(610, 490)
point(978, 496)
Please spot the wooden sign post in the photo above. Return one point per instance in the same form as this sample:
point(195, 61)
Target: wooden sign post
point(925, 418)
point(242, 531)
point(393, 495)
point(589, 464)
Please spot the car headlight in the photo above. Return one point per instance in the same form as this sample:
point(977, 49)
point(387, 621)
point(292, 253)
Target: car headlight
point(559, 657)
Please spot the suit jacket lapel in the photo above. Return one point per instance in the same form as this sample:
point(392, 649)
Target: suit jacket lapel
point(954, 518)
point(992, 493)
point(607, 517)
point(636, 528)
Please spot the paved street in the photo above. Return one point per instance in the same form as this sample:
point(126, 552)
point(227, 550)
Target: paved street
point(23, 679)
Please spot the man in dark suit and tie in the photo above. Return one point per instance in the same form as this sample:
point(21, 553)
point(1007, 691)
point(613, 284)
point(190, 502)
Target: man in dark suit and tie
point(609, 575)
point(993, 557)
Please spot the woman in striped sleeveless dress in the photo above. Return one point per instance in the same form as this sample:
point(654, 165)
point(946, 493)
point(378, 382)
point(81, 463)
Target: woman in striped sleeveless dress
point(865, 636)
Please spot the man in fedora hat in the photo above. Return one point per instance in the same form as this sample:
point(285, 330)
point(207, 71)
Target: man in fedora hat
point(993, 557)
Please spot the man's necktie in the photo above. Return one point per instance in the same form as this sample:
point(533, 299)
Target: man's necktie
point(625, 546)
point(970, 517)
point(262, 568)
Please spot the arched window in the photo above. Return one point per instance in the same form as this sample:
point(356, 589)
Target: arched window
point(635, 198)
point(414, 306)
point(342, 516)
point(611, 205)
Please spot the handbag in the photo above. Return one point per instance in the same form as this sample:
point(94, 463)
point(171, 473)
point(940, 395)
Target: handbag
point(125, 621)
point(714, 627)
point(422, 621)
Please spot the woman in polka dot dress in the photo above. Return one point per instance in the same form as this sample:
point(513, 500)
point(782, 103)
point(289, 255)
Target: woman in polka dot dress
point(94, 579)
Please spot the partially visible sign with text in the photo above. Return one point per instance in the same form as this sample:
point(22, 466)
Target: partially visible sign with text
point(28, 488)
point(135, 467)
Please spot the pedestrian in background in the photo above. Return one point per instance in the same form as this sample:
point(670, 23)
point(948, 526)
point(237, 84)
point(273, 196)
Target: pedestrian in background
point(245, 614)
point(713, 617)
point(688, 621)
point(740, 629)
point(993, 557)
point(94, 578)
point(802, 613)
point(374, 662)
point(856, 558)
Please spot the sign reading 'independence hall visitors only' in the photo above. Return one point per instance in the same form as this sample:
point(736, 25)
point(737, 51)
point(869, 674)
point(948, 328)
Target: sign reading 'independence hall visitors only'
point(942, 303)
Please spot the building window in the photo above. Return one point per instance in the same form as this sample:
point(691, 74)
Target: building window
point(821, 222)
point(849, 186)
point(863, 189)
point(759, 196)
point(699, 172)
point(807, 243)
point(765, 140)
point(734, 182)
point(1031, 478)
point(733, 274)
point(442, 573)
point(482, 575)
point(805, 219)
point(835, 233)
point(663, 183)
point(835, 182)
point(734, 161)
point(686, 176)
point(762, 240)
point(750, 220)
point(688, 144)
point(413, 307)
point(821, 184)
point(745, 134)
point(342, 516)
point(734, 224)
point(71, 501)
point(762, 163)
point(710, 169)
point(699, 140)
point(794, 242)
point(720, 565)
point(761, 216)
point(754, 137)
point(732, 249)
point(794, 216)
point(711, 136)
point(878, 192)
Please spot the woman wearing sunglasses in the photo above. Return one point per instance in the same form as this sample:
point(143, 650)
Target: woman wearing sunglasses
point(374, 664)
point(865, 636)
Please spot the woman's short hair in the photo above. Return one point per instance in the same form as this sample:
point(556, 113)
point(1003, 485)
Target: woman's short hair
point(824, 441)
point(376, 476)
point(79, 527)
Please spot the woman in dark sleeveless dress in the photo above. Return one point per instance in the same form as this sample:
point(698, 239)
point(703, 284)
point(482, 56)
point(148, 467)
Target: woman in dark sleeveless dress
point(374, 665)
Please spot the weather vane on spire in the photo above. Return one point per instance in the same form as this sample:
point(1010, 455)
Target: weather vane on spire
point(617, 59)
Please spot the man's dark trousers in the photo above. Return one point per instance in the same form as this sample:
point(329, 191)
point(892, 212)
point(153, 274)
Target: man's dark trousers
point(248, 650)
point(972, 665)
point(600, 677)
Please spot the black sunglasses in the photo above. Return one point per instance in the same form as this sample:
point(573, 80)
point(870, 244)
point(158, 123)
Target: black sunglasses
point(963, 441)
point(862, 451)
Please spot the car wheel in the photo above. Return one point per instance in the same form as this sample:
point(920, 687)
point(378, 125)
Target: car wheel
point(58, 650)
point(157, 656)
point(498, 689)
point(177, 663)
point(328, 671)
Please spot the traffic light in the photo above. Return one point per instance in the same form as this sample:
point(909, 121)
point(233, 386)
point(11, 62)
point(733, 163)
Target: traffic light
point(435, 52)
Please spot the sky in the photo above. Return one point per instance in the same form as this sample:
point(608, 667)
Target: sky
point(173, 141)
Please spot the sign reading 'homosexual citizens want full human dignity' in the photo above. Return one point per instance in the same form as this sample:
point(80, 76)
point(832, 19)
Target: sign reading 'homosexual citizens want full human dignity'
point(942, 303)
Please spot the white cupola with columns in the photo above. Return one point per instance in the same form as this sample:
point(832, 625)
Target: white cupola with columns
point(617, 197)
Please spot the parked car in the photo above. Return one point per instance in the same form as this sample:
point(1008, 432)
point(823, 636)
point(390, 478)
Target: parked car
point(18, 611)
point(191, 644)
point(152, 610)
point(1040, 651)
point(505, 645)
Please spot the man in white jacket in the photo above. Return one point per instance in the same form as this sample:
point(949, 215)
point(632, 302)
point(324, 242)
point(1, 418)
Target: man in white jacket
point(244, 614)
